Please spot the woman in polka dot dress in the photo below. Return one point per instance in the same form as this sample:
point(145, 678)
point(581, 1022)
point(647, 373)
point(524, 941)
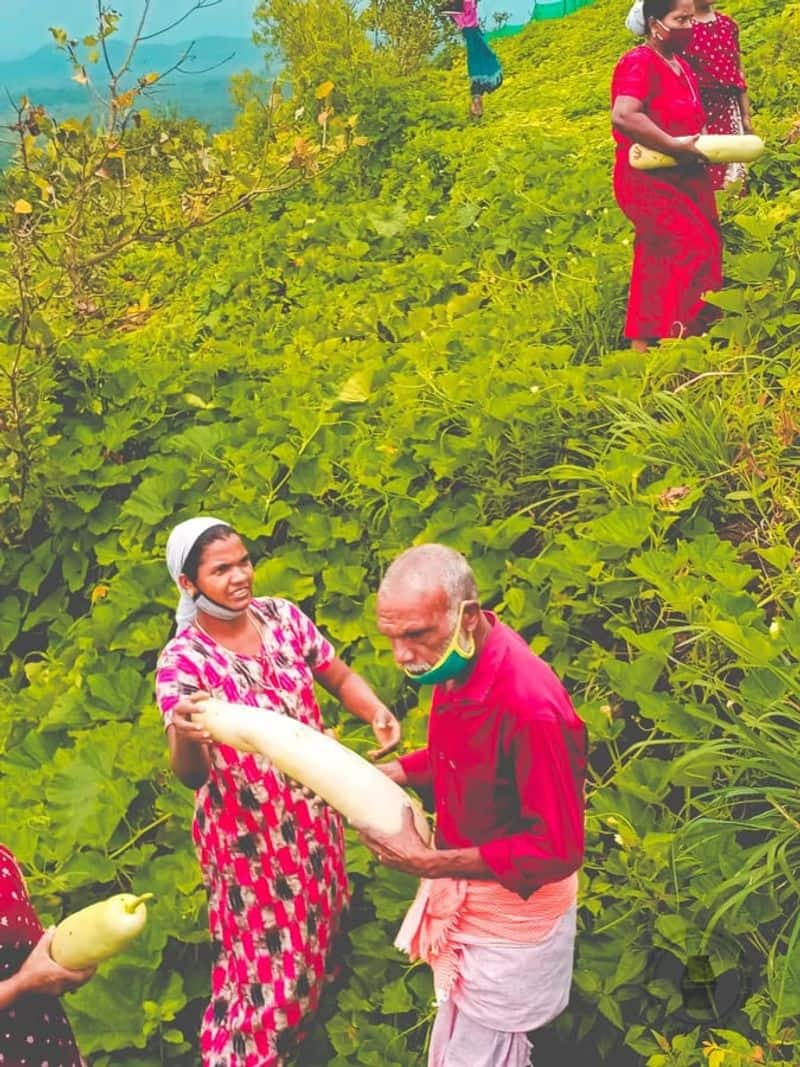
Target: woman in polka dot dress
point(272, 857)
point(714, 56)
point(34, 1031)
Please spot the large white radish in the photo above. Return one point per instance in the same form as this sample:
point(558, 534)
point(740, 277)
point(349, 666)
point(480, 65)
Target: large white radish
point(99, 931)
point(345, 780)
point(716, 147)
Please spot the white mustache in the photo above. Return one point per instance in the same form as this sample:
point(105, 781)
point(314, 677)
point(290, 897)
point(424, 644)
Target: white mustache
point(417, 668)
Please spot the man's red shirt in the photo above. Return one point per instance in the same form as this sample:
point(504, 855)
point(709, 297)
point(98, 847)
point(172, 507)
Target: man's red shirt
point(506, 760)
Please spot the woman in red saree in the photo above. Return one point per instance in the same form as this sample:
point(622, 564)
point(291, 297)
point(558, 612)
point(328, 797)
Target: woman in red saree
point(678, 246)
point(34, 1031)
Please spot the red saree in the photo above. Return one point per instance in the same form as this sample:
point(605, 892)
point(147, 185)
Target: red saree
point(34, 1032)
point(678, 246)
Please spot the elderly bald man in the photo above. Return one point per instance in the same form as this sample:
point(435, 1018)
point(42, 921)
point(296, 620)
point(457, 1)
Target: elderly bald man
point(495, 915)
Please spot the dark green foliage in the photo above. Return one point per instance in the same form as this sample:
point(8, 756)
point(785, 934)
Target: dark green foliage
point(427, 346)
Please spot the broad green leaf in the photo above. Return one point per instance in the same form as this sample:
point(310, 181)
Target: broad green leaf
point(624, 527)
point(87, 800)
point(396, 998)
point(10, 620)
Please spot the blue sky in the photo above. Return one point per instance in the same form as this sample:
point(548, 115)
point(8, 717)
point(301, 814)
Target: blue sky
point(26, 21)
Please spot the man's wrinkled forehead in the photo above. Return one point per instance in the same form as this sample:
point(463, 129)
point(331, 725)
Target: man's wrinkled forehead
point(410, 605)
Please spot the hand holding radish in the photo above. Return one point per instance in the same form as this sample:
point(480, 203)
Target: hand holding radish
point(686, 152)
point(404, 851)
point(186, 728)
point(701, 148)
point(40, 974)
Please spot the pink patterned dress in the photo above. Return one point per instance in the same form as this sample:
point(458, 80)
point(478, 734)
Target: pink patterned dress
point(272, 859)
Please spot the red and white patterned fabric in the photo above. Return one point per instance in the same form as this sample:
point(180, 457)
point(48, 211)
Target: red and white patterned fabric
point(272, 859)
point(34, 1032)
point(714, 57)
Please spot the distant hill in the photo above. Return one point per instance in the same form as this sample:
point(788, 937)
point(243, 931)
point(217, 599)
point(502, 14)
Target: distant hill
point(201, 92)
point(47, 67)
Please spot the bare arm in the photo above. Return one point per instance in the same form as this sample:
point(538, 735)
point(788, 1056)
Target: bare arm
point(409, 853)
point(457, 863)
point(394, 770)
point(188, 745)
point(406, 851)
point(360, 700)
point(629, 117)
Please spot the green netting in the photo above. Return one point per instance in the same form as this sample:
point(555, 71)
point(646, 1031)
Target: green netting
point(542, 10)
point(549, 9)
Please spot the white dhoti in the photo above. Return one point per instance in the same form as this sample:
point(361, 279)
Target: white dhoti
point(502, 992)
point(502, 966)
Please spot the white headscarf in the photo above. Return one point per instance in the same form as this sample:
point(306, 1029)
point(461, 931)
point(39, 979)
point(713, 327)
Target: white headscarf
point(179, 544)
point(635, 21)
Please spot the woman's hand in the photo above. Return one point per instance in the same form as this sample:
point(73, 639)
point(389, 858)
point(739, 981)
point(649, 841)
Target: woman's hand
point(185, 728)
point(686, 152)
point(42, 975)
point(359, 699)
point(387, 733)
point(189, 743)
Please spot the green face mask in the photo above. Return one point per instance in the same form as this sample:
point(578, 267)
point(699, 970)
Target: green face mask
point(452, 661)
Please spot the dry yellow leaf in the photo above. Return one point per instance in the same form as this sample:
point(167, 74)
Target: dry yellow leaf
point(22, 207)
point(324, 90)
point(124, 100)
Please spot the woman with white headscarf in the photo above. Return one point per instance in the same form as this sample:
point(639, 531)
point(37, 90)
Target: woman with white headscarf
point(272, 858)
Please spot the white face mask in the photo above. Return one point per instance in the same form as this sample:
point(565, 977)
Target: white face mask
point(216, 611)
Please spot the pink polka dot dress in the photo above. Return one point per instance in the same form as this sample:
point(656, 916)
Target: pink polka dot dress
point(714, 55)
point(272, 859)
point(34, 1031)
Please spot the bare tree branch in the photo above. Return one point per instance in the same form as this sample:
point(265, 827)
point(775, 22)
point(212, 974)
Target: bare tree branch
point(106, 56)
point(205, 70)
point(214, 66)
point(137, 38)
point(201, 5)
point(176, 66)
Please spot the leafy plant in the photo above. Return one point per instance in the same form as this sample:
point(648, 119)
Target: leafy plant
point(423, 343)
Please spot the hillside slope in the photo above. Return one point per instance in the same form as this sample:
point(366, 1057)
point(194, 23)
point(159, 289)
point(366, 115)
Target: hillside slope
point(426, 345)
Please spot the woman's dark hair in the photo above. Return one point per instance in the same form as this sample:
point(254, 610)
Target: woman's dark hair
point(220, 532)
point(657, 9)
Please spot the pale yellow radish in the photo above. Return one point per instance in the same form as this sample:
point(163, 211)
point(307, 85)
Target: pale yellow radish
point(349, 783)
point(100, 931)
point(716, 147)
